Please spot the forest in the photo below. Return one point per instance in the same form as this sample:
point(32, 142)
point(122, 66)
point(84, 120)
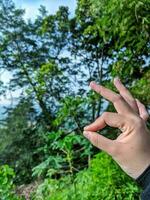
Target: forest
point(51, 60)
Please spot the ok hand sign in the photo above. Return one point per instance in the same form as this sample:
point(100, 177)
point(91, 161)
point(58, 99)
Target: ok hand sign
point(131, 149)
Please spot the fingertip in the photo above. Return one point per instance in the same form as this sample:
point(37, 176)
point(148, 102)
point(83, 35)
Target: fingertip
point(92, 83)
point(117, 80)
point(137, 100)
point(86, 134)
point(86, 127)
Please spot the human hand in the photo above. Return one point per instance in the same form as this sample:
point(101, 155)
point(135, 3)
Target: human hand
point(131, 149)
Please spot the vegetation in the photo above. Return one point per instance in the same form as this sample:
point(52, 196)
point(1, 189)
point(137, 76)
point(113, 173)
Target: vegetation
point(102, 180)
point(51, 60)
point(7, 188)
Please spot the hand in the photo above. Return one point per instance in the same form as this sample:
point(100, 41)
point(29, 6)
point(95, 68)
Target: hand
point(131, 149)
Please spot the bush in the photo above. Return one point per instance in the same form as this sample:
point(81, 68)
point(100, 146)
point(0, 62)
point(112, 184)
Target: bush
point(102, 180)
point(7, 187)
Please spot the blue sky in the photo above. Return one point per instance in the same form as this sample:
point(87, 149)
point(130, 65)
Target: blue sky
point(31, 6)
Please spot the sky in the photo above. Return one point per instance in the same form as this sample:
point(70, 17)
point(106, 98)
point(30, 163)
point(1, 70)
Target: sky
point(31, 10)
point(31, 6)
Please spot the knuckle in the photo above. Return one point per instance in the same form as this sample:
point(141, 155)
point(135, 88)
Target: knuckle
point(132, 99)
point(105, 114)
point(137, 122)
point(118, 98)
point(124, 91)
point(142, 105)
point(133, 102)
point(96, 141)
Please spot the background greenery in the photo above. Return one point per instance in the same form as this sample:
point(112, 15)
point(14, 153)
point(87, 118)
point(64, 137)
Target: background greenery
point(52, 59)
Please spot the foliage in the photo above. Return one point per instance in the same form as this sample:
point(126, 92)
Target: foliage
point(124, 28)
point(51, 60)
point(102, 180)
point(21, 142)
point(59, 155)
point(7, 188)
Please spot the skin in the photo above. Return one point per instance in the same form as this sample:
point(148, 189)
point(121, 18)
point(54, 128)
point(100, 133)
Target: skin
point(131, 149)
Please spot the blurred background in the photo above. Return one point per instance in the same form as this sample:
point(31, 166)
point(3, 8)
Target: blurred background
point(50, 50)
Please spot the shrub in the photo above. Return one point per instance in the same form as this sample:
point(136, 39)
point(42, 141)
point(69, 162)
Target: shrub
point(7, 188)
point(102, 180)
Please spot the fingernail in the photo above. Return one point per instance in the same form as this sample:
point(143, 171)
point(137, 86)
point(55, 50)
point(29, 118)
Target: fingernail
point(92, 83)
point(86, 134)
point(86, 127)
point(117, 79)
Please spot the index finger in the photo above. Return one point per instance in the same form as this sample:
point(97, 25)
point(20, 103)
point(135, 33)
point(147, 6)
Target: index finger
point(118, 101)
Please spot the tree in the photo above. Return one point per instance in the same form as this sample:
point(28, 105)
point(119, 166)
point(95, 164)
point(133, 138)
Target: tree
point(32, 53)
point(124, 29)
point(33, 57)
point(52, 59)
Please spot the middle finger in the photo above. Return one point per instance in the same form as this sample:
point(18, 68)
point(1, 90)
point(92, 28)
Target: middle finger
point(118, 101)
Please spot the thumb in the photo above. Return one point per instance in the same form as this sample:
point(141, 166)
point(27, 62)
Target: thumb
point(100, 141)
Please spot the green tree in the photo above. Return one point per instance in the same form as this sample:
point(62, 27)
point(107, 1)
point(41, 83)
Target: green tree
point(52, 59)
point(36, 55)
point(124, 28)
